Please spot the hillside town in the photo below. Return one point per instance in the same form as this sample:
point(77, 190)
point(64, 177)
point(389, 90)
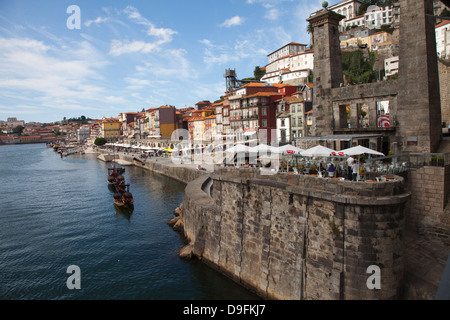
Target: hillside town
point(279, 102)
point(356, 205)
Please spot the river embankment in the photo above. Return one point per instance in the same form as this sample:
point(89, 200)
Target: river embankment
point(296, 237)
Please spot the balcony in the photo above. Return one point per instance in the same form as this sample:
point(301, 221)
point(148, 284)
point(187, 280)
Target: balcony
point(250, 117)
point(236, 118)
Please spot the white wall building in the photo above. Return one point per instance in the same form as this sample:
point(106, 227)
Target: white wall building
point(288, 49)
point(391, 66)
point(13, 122)
point(83, 133)
point(443, 39)
point(375, 16)
point(293, 68)
point(358, 21)
point(347, 8)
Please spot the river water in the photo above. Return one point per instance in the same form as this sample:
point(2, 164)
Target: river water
point(56, 213)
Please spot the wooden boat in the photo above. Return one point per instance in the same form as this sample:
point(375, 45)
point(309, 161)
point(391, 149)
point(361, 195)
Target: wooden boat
point(123, 197)
point(115, 177)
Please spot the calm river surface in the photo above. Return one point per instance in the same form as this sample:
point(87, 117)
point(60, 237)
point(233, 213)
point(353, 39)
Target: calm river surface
point(56, 212)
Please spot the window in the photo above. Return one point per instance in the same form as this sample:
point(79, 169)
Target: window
point(264, 123)
point(264, 111)
point(383, 120)
point(363, 115)
point(344, 116)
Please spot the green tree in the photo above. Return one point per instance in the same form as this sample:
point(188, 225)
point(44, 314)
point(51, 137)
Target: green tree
point(18, 130)
point(100, 141)
point(258, 73)
point(357, 67)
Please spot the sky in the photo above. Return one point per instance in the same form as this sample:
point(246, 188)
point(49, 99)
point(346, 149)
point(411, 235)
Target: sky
point(104, 57)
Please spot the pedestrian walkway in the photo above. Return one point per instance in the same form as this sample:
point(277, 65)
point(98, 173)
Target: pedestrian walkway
point(425, 261)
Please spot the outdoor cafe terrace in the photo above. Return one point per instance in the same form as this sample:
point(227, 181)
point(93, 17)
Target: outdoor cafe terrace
point(318, 161)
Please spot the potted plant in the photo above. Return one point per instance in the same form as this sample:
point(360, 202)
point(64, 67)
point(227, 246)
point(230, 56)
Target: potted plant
point(313, 169)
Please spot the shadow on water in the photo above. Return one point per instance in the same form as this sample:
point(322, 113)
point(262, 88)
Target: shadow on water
point(125, 212)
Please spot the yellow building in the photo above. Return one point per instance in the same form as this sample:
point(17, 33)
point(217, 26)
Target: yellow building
point(110, 128)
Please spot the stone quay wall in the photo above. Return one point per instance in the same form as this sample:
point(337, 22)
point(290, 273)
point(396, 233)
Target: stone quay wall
point(427, 211)
point(289, 236)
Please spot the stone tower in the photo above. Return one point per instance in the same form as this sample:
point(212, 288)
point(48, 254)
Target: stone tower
point(327, 67)
point(419, 109)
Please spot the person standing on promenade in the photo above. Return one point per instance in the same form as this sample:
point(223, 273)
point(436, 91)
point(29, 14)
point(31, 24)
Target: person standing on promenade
point(350, 162)
point(355, 170)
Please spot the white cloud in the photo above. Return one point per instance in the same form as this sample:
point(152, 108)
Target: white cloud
point(162, 35)
point(171, 65)
point(96, 21)
point(234, 21)
point(136, 83)
point(50, 77)
point(119, 47)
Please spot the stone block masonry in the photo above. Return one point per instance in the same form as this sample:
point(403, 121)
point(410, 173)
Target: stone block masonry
point(428, 211)
point(299, 238)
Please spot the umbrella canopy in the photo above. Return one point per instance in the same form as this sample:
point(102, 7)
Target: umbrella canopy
point(353, 151)
point(238, 148)
point(264, 148)
point(289, 149)
point(317, 151)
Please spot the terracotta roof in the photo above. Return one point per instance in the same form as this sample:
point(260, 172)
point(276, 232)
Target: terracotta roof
point(254, 84)
point(196, 119)
point(261, 94)
point(442, 23)
point(282, 85)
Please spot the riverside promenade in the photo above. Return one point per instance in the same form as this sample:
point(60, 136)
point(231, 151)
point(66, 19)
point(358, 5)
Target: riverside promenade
point(425, 259)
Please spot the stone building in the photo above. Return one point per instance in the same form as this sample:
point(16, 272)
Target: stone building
point(413, 112)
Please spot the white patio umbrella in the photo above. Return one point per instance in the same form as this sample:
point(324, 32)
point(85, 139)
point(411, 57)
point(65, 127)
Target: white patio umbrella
point(238, 148)
point(289, 149)
point(264, 148)
point(358, 150)
point(319, 151)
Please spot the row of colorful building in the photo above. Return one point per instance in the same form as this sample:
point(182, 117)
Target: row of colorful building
point(281, 110)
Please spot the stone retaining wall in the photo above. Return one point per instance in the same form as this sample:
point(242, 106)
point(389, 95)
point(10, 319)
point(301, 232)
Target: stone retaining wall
point(299, 237)
point(428, 211)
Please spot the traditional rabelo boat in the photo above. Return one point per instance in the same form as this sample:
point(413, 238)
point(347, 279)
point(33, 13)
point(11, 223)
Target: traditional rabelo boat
point(123, 197)
point(115, 177)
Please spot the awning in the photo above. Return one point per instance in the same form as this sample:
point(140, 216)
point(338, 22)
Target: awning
point(339, 137)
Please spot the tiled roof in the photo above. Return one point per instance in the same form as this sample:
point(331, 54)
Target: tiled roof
point(442, 23)
point(262, 94)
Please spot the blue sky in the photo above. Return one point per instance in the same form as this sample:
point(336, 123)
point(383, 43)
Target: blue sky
point(129, 55)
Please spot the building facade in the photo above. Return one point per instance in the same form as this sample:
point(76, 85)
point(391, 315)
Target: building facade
point(110, 128)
